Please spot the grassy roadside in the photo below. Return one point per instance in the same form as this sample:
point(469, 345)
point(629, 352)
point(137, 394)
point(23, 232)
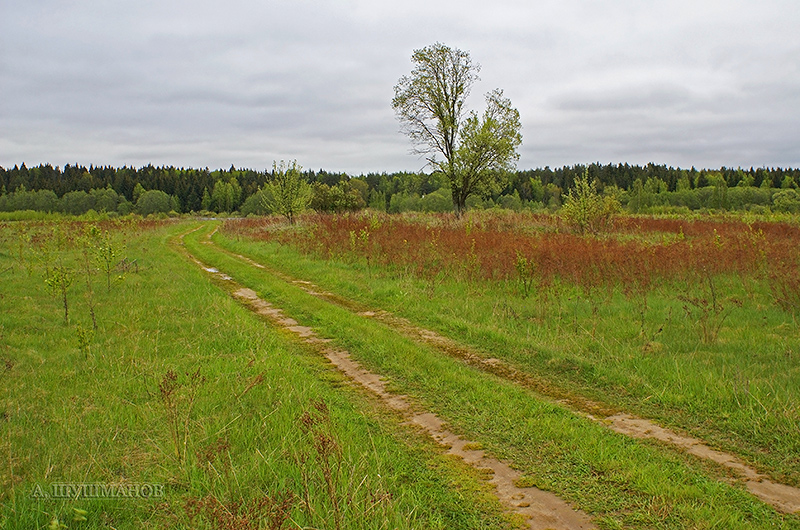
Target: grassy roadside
point(740, 393)
point(182, 388)
point(624, 483)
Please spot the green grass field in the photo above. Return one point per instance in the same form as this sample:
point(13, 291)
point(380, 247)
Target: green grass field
point(241, 424)
point(232, 440)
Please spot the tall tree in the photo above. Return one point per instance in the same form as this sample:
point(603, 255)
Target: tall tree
point(477, 152)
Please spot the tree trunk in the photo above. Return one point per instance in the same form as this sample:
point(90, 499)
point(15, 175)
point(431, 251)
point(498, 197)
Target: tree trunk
point(459, 204)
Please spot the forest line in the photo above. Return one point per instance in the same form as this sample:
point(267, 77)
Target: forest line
point(76, 189)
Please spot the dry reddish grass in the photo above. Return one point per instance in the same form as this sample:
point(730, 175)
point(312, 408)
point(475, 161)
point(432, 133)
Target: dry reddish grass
point(638, 253)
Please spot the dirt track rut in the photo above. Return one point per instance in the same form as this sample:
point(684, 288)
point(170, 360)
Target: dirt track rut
point(543, 510)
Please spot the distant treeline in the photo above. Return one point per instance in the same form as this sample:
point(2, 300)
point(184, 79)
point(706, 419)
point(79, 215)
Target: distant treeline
point(76, 189)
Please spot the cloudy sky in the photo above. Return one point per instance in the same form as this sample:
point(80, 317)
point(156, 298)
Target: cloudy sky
point(196, 83)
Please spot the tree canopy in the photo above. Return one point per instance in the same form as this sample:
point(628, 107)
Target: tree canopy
point(477, 151)
point(288, 192)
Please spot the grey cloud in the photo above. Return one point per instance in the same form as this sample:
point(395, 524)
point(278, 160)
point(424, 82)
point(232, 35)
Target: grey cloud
point(648, 98)
point(209, 84)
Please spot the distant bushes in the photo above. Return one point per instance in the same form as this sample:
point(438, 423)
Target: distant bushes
point(341, 198)
point(155, 201)
point(81, 202)
point(786, 201)
point(740, 198)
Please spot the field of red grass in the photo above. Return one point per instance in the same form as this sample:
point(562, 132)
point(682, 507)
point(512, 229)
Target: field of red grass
point(635, 255)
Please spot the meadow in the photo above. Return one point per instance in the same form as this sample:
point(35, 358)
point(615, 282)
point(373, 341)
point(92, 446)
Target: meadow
point(690, 321)
point(151, 373)
point(216, 419)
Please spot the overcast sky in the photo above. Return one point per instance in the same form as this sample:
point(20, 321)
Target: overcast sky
point(197, 83)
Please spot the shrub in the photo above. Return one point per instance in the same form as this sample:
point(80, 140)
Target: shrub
point(786, 201)
point(153, 201)
point(585, 210)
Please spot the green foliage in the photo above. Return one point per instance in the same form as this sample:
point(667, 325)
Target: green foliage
point(585, 210)
point(84, 336)
point(437, 201)
point(552, 196)
point(107, 253)
point(404, 202)
point(58, 279)
point(537, 189)
point(510, 202)
point(786, 200)
point(487, 152)
point(747, 180)
point(719, 198)
point(377, 201)
point(526, 271)
point(640, 199)
point(106, 199)
point(226, 196)
point(477, 152)
point(77, 202)
point(337, 198)
point(289, 193)
point(256, 204)
point(683, 183)
point(746, 197)
point(153, 201)
point(40, 201)
point(138, 191)
point(361, 187)
point(206, 203)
